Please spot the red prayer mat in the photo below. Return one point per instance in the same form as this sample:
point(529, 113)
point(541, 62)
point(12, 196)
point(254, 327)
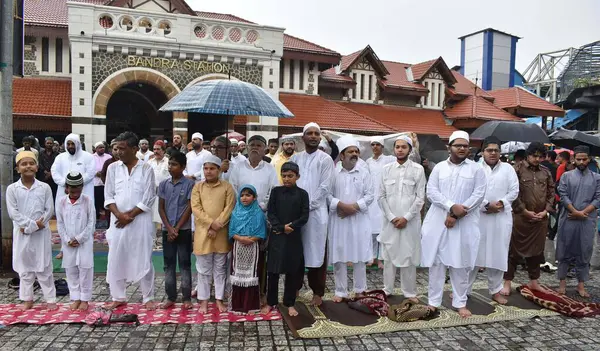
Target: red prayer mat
point(562, 304)
point(11, 314)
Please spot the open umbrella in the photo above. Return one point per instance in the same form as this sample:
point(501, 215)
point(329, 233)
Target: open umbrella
point(511, 131)
point(571, 138)
point(232, 134)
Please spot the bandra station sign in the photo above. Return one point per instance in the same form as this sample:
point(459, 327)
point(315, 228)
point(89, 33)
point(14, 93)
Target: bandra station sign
point(188, 65)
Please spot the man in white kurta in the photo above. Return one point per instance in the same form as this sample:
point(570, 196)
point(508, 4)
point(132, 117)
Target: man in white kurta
point(76, 221)
point(450, 232)
point(375, 164)
point(236, 156)
point(349, 237)
point(401, 197)
point(129, 195)
point(144, 152)
point(495, 222)
point(74, 160)
point(316, 172)
point(195, 159)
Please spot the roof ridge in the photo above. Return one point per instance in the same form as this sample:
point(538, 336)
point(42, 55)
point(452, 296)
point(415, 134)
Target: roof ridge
point(360, 114)
point(225, 14)
point(310, 42)
point(398, 62)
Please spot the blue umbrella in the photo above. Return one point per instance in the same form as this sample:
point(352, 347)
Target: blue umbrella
point(227, 97)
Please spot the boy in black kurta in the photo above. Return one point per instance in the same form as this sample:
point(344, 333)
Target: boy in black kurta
point(287, 212)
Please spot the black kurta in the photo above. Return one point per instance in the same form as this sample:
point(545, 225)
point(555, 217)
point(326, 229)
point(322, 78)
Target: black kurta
point(286, 205)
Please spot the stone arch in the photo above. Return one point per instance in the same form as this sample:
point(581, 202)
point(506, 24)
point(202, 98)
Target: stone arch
point(210, 76)
point(131, 75)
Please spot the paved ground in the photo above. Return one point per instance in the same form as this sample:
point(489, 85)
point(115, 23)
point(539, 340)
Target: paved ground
point(550, 333)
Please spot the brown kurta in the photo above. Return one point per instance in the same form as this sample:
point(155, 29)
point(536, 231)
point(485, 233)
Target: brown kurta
point(211, 202)
point(536, 194)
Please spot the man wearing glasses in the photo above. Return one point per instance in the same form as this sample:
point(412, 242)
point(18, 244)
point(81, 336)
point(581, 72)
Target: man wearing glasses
point(495, 223)
point(450, 232)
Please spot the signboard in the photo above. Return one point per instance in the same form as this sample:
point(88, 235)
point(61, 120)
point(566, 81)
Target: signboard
point(188, 65)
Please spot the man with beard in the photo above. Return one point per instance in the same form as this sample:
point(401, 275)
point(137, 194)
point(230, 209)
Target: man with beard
point(375, 165)
point(530, 219)
point(74, 160)
point(273, 146)
point(195, 159)
point(236, 156)
point(47, 158)
point(130, 193)
point(401, 197)
point(349, 236)
point(178, 144)
point(450, 232)
point(288, 149)
point(316, 173)
point(242, 148)
point(28, 145)
point(579, 192)
point(495, 223)
point(144, 152)
point(99, 158)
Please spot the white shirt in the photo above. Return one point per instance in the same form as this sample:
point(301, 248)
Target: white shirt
point(375, 168)
point(195, 164)
point(263, 177)
point(161, 169)
point(239, 158)
point(144, 156)
point(82, 162)
point(76, 221)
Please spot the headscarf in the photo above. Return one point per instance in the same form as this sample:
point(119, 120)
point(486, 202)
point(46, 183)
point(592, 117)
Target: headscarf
point(74, 138)
point(247, 220)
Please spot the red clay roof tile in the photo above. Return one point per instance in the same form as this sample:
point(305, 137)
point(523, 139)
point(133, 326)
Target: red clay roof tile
point(50, 13)
point(465, 87)
point(478, 108)
point(397, 77)
point(222, 16)
point(294, 43)
point(520, 98)
point(44, 97)
point(420, 69)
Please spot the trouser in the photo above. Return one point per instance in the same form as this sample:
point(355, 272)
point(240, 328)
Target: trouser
point(375, 246)
point(289, 288)
point(178, 250)
point(316, 277)
point(494, 278)
point(99, 198)
point(408, 279)
point(359, 275)
point(118, 289)
point(46, 280)
point(459, 279)
point(211, 267)
point(80, 282)
point(582, 271)
point(533, 265)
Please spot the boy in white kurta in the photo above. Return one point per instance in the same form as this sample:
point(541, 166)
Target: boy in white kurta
point(495, 221)
point(30, 206)
point(401, 197)
point(450, 232)
point(76, 220)
point(349, 237)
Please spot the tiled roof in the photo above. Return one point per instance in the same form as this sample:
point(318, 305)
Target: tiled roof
point(477, 107)
point(50, 13)
point(44, 97)
point(331, 75)
point(518, 98)
point(464, 86)
point(403, 119)
point(347, 60)
point(397, 77)
point(222, 16)
point(294, 43)
point(326, 113)
point(419, 69)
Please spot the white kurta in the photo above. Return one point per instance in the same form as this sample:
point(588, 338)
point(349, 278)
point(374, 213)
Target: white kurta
point(375, 168)
point(238, 159)
point(263, 178)
point(161, 172)
point(82, 162)
point(316, 173)
point(144, 156)
point(32, 250)
point(130, 248)
point(496, 228)
point(76, 221)
point(402, 194)
point(451, 184)
point(349, 238)
point(195, 164)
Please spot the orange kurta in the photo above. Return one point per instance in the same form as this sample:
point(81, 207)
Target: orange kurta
point(212, 202)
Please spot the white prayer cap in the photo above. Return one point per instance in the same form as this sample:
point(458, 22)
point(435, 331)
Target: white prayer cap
point(459, 134)
point(405, 138)
point(286, 139)
point(311, 125)
point(212, 159)
point(241, 143)
point(345, 142)
point(99, 144)
point(197, 135)
point(143, 141)
point(377, 140)
point(233, 141)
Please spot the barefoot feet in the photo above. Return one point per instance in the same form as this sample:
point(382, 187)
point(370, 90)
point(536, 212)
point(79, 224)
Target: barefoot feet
point(74, 305)
point(317, 300)
point(581, 291)
point(221, 306)
point(83, 306)
point(266, 309)
point(499, 299)
point(292, 312)
point(535, 285)
point(203, 309)
point(150, 305)
point(414, 300)
point(505, 289)
point(562, 287)
point(187, 305)
point(167, 305)
point(27, 305)
point(338, 299)
point(116, 304)
point(51, 306)
point(464, 312)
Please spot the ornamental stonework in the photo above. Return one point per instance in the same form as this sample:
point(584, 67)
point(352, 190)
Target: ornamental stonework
point(182, 72)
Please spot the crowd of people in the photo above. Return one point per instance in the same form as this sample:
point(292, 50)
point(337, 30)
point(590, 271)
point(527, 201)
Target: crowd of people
point(252, 212)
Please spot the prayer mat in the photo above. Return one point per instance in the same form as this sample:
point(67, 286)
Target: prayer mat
point(11, 314)
point(562, 304)
point(339, 320)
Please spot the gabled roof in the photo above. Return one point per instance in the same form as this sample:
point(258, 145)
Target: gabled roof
point(349, 60)
point(294, 43)
point(42, 97)
point(50, 13)
point(523, 102)
point(327, 114)
point(398, 78)
point(476, 107)
point(420, 70)
point(331, 75)
point(464, 87)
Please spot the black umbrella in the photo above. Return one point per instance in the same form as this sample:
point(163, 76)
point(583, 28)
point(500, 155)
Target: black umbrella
point(432, 147)
point(511, 131)
point(569, 139)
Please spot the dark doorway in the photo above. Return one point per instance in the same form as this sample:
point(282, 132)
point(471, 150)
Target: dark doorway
point(209, 125)
point(135, 107)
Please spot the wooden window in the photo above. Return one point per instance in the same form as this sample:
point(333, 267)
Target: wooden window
point(440, 102)
point(58, 50)
point(81, 70)
point(362, 86)
point(432, 93)
point(292, 74)
point(301, 82)
point(45, 53)
point(427, 96)
point(270, 85)
point(370, 87)
point(281, 75)
point(354, 90)
point(81, 101)
point(81, 86)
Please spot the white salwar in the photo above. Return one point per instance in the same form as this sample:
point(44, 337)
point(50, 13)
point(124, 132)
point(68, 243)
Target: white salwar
point(77, 221)
point(32, 249)
point(263, 178)
point(456, 247)
point(349, 238)
point(316, 173)
point(161, 172)
point(212, 268)
point(375, 166)
point(65, 163)
point(130, 248)
point(401, 195)
point(496, 228)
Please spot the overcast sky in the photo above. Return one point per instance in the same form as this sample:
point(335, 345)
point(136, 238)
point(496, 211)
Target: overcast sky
point(418, 30)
